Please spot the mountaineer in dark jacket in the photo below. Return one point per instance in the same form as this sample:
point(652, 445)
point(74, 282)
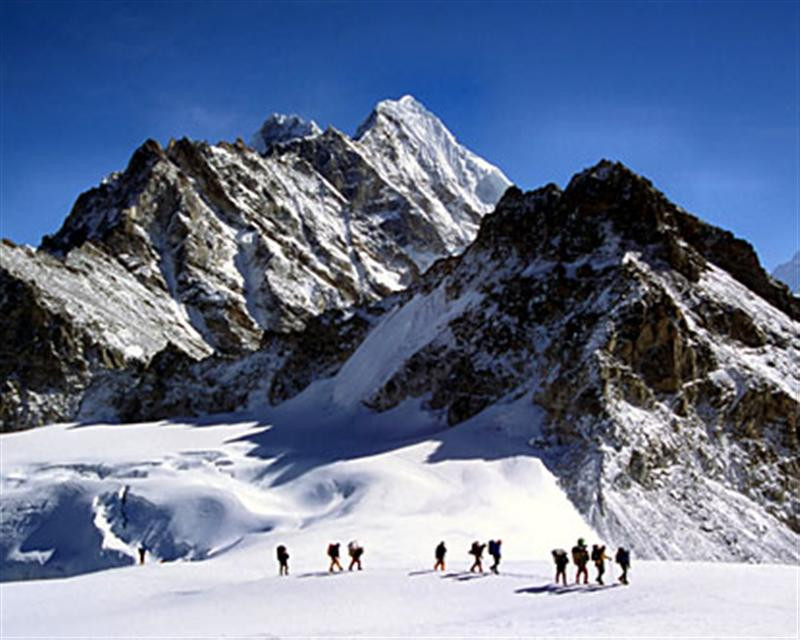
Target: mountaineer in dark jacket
point(623, 559)
point(494, 551)
point(477, 550)
point(440, 553)
point(580, 558)
point(355, 551)
point(561, 560)
point(599, 558)
point(333, 554)
point(283, 560)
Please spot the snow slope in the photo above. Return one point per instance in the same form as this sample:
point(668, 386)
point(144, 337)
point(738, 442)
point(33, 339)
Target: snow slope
point(187, 491)
point(240, 595)
point(224, 494)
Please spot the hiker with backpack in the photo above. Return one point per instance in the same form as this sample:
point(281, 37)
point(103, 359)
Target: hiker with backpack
point(494, 551)
point(476, 550)
point(355, 551)
point(580, 558)
point(440, 553)
point(561, 560)
point(623, 559)
point(333, 554)
point(283, 560)
point(599, 558)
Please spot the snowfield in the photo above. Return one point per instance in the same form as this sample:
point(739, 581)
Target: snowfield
point(240, 594)
point(212, 499)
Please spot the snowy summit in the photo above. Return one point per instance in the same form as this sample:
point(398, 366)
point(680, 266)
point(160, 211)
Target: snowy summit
point(414, 149)
point(280, 128)
point(202, 248)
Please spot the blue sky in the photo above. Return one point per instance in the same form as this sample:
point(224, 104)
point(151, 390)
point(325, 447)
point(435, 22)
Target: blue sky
point(701, 97)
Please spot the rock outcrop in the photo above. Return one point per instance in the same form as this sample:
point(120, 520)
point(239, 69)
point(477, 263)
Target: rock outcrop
point(668, 384)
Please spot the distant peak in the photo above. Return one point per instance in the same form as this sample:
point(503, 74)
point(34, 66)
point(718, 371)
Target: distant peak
point(280, 128)
point(789, 273)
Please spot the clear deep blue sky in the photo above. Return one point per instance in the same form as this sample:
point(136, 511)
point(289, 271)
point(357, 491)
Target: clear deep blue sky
point(702, 98)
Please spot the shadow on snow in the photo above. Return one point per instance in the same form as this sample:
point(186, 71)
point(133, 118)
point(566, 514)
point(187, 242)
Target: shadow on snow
point(557, 590)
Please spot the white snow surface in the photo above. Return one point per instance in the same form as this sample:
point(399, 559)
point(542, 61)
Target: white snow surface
point(212, 500)
point(240, 595)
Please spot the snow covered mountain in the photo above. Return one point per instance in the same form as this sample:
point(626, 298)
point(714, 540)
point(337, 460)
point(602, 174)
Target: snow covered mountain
point(789, 273)
point(413, 150)
point(205, 247)
point(328, 288)
point(658, 359)
point(642, 354)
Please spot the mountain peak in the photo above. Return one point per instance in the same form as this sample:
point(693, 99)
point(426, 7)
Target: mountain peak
point(405, 103)
point(789, 273)
point(406, 110)
point(413, 148)
point(280, 128)
point(608, 174)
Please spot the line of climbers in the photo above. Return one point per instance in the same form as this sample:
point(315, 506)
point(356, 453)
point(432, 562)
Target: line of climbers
point(354, 550)
point(580, 558)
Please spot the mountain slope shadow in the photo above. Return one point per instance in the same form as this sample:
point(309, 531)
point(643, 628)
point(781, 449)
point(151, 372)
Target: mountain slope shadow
point(311, 431)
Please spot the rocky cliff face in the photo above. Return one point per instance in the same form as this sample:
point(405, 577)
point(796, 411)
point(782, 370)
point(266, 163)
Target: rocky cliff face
point(666, 386)
point(207, 247)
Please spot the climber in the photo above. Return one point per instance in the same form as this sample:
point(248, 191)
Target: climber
point(561, 560)
point(355, 551)
point(440, 553)
point(494, 551)
point(477, 550)
point(580, 558)
point(623, 559)
point(599, 559)
point(283, 560)
point(333, 554)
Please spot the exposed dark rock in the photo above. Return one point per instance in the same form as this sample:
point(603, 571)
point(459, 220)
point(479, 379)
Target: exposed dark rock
point(44, 359)
point(316, 352)
point(593, 301)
